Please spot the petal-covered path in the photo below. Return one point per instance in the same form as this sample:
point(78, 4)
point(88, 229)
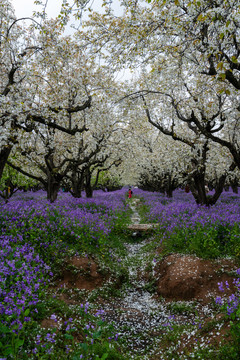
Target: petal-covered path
point(137, 315)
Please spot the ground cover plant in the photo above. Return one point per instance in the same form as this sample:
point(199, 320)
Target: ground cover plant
point(36, 237)
point(39, 241)
point(209, 233)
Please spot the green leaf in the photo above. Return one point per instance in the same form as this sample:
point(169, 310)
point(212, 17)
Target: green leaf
point(26, 313)
point(19, 343)
point(234, 59)
point(84, 346)
point(104, 356)
point(8, 351)
point(97, 334)
point(4, 329)
point(222, 76)
point(220, 65)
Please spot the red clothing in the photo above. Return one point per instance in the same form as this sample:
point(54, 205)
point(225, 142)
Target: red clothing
point(130, 194)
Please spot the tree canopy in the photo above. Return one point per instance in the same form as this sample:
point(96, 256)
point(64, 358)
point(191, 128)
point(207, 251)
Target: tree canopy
point(65, 114)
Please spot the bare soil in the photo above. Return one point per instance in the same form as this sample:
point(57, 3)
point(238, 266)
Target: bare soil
point(187, 277)
point(81, 273)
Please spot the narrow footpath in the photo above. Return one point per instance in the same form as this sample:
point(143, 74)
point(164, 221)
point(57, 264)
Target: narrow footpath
point(137, 315)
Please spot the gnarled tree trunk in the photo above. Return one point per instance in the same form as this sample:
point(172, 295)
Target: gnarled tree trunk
point(88, 186)
point(53, 187)
point(77, 178)
point(4, 154)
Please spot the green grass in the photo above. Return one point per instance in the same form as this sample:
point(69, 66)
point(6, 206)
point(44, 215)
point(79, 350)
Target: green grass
point(207, 242)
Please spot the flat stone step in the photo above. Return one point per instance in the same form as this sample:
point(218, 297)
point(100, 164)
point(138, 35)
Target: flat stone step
point(142, 227)
point(135, 220)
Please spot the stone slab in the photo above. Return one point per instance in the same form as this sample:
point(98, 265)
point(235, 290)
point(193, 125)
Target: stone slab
point(142, 227)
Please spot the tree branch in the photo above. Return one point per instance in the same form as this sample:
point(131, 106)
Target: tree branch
point(53, 125)
point(26, 173)
point(75, 109)
point(162, 129)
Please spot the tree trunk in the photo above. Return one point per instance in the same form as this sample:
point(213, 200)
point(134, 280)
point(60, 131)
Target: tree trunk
point(52, 191)
point(234, 186)
point(171, 185)
point(197, 187)
point(234, 189)
point(169, 192)
point(199, 182)
point(53, 186)
point(77, 179)
point(76, 191)
point(4, 154)
point(218, 190)
point(198, 190)
point(88, 187)
point(76, 188)
point(89, 191)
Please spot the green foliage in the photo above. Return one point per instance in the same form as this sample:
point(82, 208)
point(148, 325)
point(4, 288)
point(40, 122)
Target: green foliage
point(120, 222)
point(151, 286)
point(108, 181)
point(98, 344)
point(98, 339)
point(143, 210)
point(12, 343)
point(18, 179)
point(206, 241)
point(89, 336)
point(231, 307)
point(182, 308)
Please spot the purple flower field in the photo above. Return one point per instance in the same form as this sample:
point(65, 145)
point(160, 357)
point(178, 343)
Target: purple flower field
point(181, 210)
point(35, 234)
point(185, 226)
point(30, 214)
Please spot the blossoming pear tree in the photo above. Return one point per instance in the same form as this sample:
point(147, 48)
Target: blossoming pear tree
point(27, 45)
point(167, 113)
point(194, 39)
point(64, 78)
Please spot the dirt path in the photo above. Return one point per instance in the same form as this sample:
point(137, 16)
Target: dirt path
point(137, 315)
